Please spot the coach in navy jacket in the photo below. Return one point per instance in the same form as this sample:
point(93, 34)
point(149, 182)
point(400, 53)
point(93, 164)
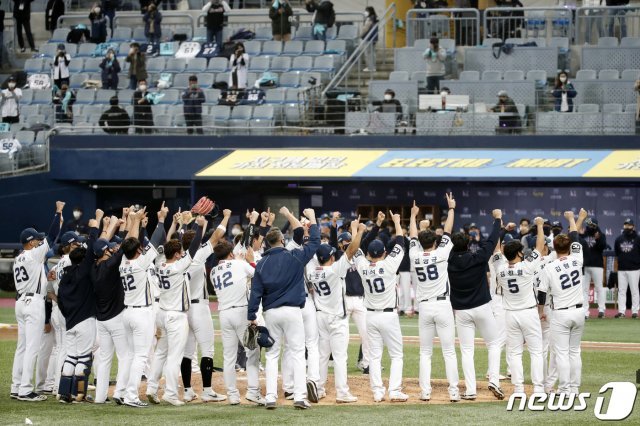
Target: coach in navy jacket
point(279, 275)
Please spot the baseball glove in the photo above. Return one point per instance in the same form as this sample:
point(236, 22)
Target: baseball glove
point(250, 340)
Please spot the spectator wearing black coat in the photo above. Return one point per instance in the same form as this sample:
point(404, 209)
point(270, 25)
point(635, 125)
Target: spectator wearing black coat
point(109, 9)
point(324, 18)
point(110, 69)
point(593, 242)
point(98, 25)
point(142, 114)
point(193, 98)
point(22, 15)
point(564, 92)
point(54, 10)
point(115, 120)
point(279, 13)
point(214, 21)
point(152, 24)
point(509, 119)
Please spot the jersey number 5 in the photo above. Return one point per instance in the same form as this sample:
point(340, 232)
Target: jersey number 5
point(376, 285)
point(513, 287)
point(431, 273)
point(575, 279)
point(21, 274)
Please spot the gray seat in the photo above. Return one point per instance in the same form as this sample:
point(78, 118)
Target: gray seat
point(253, 47)
point(103, 96)
point(469, 76)
point(175, 65)
point(59, 35)
point(86, 50)
point(42, 97)
point(586, 75)
point(85, 96)
point(259, 63)
point(537, 75)
point(277, 99)
point(211, 95)
point(121, 34)
point(271, 48)
point(181, 81)
point(290, 79)
point(399, 76)
point(348, 32)
point(630, 75)
point(422, 43)
point(314, 48)
point(34, 65)
point(293, 48)
point(200, 34)
point(205, 80)
point(338, 47)
point(608, 42)
point(513, 75)
point(162, 122)
point(280, 64)
point(170, 97)
point(76, 80)
point(630, 42)
point(220, 114)
point(76, 65)
point(196, 65)
point(492, 75)
point(218, 65)
point(25, 137)
point(324, 64)
point(302, 63)
point(92, 65)
point(138, 34)
point(420, 77)
point(608, 75)
point(156, 65)
point(612, 108)
point(27, 96)
point(588, 108)
point(304, 32)
point(263, 33)
point(240, 115)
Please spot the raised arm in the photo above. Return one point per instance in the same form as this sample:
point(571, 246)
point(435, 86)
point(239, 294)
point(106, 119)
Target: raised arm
point(56, 225)
point(248, 233)
point(540, 239)
point(573, 229)
point(311, 247)
point(109, 226)
point(296, 225)
point(413, 226)
point(218, 234)
point(582, 215)
point(201, 222)
point(159, 235)
point(357, 229)
point(451, 203)
point(488, 246)
point(175, 222)
point(398, 226)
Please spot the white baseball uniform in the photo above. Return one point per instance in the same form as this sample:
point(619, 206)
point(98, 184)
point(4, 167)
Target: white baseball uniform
point(498, 311)
point(31, 284)
point(231, 279)
point(562, 281)
point(522, 321)
point(199, 315)
point(548, 356)
point(383, 325)
point(138, 315)
point(333, 323)
point(175, 301)
point(429, 270)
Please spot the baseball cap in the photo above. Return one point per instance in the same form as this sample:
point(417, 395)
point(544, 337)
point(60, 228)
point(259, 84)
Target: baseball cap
point(502, 93)
point(116, 239)
point(264, 338)
point(61, 46)
point(507, 238)
point(369, 223)
point(324, 253)
point(101, 245)
point(376, 248)
point(628, 221)
point(31, 234)
point(345, 236)
point(557, 224)
point(11, 78)
point(70, 237)
point(324, 216)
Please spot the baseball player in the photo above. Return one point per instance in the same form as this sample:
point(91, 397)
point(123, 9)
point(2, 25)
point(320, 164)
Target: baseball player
point(278, 284)
point(328, 281)
point(562, 281)
point(77, 303)
point(138, 315)
point(627, 248)
point(383, 324)
point(471, 300)
point(199, 318)
point(45, 361)
point(593, 243)
point(516, 276)
point(497, 307)
point(429, 259)
point(109, 294)
point(30, 282)
point(231, 278)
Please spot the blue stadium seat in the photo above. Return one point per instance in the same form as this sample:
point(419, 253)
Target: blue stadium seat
point(469, 76)
point(280, 64)
point(271, 48)
point(259, 64)
point(218, 65)
point(86, 50)
point(253, 47)
point(302, 63)
point(76, 65)
point(34, 65)
point(196, 65)
point(59, 35)
point(85, 96)
point(290, 79)
point(314, 48)
point(121, 34)
point(293, 48)
point(263, 33)
point(608, 75)
point(492, 75)
point(92, 65)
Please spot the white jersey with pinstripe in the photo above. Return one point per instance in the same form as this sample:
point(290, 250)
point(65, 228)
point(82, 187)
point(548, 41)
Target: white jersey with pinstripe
point(197, 272)
point(518, 280)
point(135, 279)
point(329, 285)
point(562, 279)
point(430, 268)
point(28, 270)
point(231, 280)
point(379, 279)
point(174, 285)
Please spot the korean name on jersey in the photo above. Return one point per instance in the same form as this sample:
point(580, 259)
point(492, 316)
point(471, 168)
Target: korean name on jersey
point(430, 269)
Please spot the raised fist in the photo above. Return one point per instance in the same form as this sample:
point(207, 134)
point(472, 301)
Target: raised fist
point(309, 213)
point(254, 216)
point(569, 215)
point(538, 221)
point(284, 211)
point(497, 214)
point(582, 214)
point(226, 213)
point(59, 206)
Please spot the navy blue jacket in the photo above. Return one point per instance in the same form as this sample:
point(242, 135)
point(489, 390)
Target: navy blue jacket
point(571, 93)
point(279, 276)
point(193, 100)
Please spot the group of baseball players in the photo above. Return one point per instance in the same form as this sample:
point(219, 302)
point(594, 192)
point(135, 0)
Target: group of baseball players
point(146, 299)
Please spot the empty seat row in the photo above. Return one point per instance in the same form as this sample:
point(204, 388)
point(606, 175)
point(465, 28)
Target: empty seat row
point(613, 42)
point(295, 47)
point(608, 74)
point(129, 34)
point(511, 75)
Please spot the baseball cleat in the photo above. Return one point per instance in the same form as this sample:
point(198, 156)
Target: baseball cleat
point(288, 396)
point(497, 392)
point(378, 398)
point(346, 399)
point(189, 395)
point(365, 370)
point(91, 388)
point(211, 396)
point(137, 404)
point(47, 391)
point(634, 316)
point(469, 396)
point(424, 396)
point(312, 391)
point(173, 401)
point(118, 400)
point(454, 396)
point(322, 395)
point(32, 397)
point(398, 397)
point(234, 400)
point(301, 405)
point(152, 397)
point(258, 399)
point(270, 405)
point(619, 315)
point(600, 314)
point(65, 399)
point(14, 395)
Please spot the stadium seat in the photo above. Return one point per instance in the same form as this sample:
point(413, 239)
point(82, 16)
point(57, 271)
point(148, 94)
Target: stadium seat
point(85, 96)
point(138, 34)
point(76, 80)
point(305, 76)
point(76, 65)
point(196, 65)
point(34, 65)
point(302, 63)
point(121, 34)
point(314, 48)
point(420, 77)
point(608, 42)
point(492, 75)
point(259, 63)
point(25, 137)
point(220, 114)
point(336, 47)
point(293, 48)
point(181, 81)
point(59, 35)
point(162, 122)
point(586, 75)
point(42, 97)
point(290, 79)
point(156, 65)
point(513, 75)
point(608, 75)
point(92, 65)
point(205, 80)
point(469, 76)
point(200, 34)
point(271, 48)
point(218, 65)
point(253, 48)
point(49, 50)
point(276, 98)
point(324, 64)
point(630, 42)
point(175, 65)
point(280, 64)
point(630, 75)
point(612, 108)
point(261, 126)
point(588, 108)
point(348, 32)
point(304, 33)
point(103, 96)
point(263, 33)
point(86, 50)
point(422, 44)
point(399, 76)
point(539, 76)
point(630, 108)
point(125, 96)
point(27, 97)
point(123, 49)
point(184, 29)
point(171, 96)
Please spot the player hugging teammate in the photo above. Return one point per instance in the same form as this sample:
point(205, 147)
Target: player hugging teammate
point(118, 290)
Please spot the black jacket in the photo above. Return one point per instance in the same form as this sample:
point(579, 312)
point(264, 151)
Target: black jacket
point(115, 117)
point(324, 12)
point(468, 273)
point(592, 248)
point(280, 24)
point(627, 250)
point(55, 9)
point(25, 13)
point(107, 287)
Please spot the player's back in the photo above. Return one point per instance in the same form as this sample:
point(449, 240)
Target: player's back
point(133, 273)
point(197, 272)
point(28, 270)
point(379, 279)
point(564, 280)
point(518, 281)
point(174, 286)
point(429, 269)
point(231, 278)
point(329, 285)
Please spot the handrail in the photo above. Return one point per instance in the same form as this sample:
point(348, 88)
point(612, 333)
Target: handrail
point(490, 15)
point(413, 15)
point(166, 16)
point(388, 15)
point(77, 18)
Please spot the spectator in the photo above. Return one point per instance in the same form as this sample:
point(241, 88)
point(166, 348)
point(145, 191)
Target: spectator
point(1, 37)
point(370, 27)
point(138, 68)
point(115, 120)
point(60, 66)
point(594, 19)
point(524, 227)
point(152, 19)
point(279, 14)
point(142, 113)
point(10, 99)
point(22, 15)
point(239, 65)
point(98, 25)
point(435, 57)
point(509, 118)
point(620, 13)
point(169, 4)
point(215, 11)
point(193, 99)
point(110, 69)
point(63, 101)
point(323, 18)
point(54, 10)
point(627, 248)
point(637, 89)
point(77, 224)
point(389, 104)
point(564, 93)
point(109, 9)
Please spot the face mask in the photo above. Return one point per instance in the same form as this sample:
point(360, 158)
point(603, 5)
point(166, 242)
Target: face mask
point(388, 97)
point(77, 214)
point(12, 85)
point(443, 93)
point(96, 10)
point(235, 232)
point(628, 232)
point(473, 234)
point(132, 51)
point(366, 14)
point(563, 79)
point(110, 55)
point(143, 87)
point(194, 86)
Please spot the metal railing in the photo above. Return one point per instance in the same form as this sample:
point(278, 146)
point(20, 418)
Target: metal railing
point(32, 158)
point(170, 19)
point(595, 22)
point(530, 22)
point(79, 18)
point(364, 48)
point(462, 25)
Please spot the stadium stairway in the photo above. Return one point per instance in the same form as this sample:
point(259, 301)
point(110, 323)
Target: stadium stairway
point(360, 79)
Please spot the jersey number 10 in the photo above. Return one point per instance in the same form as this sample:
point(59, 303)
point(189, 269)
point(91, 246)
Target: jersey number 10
point(376, 285)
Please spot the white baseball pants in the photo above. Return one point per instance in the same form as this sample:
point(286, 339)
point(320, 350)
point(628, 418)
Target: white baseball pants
point(567, 326)
point(233, 324)
point(383, 329)
point(467, 321)
point(436, 318)
point(139, 326)
point(498, 313)
point(285, 321)
point(200, 330)
point(112, 337)
point(160, 353)
point(30, 319)
point(177, 328)
point(548, 356)
point(355, 309)
point(59, 326)
point(524, 326)
point(404, 282)
point(311, 344)
point(628, 279)
point(597, 276)
point(79, 342)
point(334, 339)
point(45, 354)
